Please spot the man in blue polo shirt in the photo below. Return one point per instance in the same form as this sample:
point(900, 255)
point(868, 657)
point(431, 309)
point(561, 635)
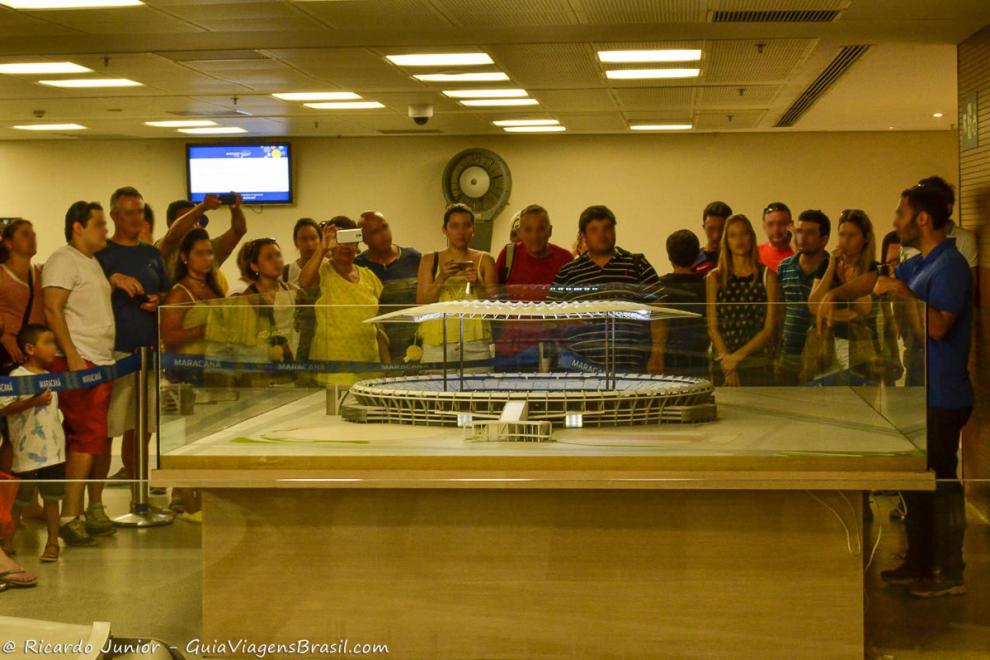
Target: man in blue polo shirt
point(940, 276)
point(795, 276)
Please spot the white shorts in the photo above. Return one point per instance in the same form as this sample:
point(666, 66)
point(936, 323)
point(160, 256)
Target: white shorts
point(122, 415)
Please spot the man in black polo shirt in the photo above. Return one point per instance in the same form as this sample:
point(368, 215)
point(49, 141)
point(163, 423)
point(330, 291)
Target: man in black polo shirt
point(607, 272)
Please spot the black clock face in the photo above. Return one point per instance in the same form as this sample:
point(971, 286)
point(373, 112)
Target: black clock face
point(480, 179)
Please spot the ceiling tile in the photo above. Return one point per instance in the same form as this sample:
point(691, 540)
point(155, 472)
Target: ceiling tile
point(575, 100)
point(507, 13)
point(379, 14)
point(728, 121)
point(649, 98)
point(729, 96)
point(549, 65)
point(742, 61)
point(640, 11)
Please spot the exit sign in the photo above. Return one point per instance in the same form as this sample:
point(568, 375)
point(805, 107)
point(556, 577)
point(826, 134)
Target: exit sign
point(969, 122)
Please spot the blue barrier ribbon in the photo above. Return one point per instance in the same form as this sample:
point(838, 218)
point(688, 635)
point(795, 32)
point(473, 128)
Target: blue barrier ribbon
point(178, 361)
point(69, 380)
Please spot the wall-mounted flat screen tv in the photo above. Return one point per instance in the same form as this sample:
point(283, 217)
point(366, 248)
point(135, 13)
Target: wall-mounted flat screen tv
point(261, 173)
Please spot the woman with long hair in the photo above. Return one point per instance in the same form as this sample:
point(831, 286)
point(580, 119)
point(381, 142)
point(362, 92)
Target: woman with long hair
point(184, 318)
point(457, 272)
point(855, 255)
point(21, 295)
point(742, 316)
point(21, 302)
point(308, 241)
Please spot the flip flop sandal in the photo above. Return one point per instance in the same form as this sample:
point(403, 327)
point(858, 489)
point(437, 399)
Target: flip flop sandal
point(49, 557)
point(17, 584)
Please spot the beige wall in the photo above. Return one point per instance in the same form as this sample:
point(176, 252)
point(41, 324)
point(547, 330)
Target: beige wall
point(655, 184)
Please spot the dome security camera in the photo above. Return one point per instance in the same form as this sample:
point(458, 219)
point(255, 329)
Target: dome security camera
point(420, 113)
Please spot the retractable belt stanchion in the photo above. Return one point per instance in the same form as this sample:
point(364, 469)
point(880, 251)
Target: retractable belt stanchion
point(142, 514)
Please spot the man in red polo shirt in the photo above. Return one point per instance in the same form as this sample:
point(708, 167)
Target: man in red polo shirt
point(526, 270)
point(777, 224)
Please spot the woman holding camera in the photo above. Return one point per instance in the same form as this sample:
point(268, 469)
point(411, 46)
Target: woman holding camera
point(456, 273)
point(348, 297)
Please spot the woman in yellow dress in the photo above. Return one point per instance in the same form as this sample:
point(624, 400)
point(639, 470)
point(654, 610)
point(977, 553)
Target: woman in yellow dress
point(456, 273)
point(348, 296)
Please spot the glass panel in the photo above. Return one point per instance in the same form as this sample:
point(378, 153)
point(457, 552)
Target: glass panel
point(598, 377)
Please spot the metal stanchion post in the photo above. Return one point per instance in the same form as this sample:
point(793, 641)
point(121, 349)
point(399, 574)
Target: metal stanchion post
point(142, 514)
point(443, 320)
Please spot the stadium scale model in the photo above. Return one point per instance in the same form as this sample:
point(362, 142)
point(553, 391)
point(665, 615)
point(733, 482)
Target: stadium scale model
point(527, 406)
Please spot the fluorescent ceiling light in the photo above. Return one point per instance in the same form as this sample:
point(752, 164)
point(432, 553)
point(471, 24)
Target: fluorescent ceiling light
point(658, 55)
point(651, 74)
point(662, 127)
point(478, 76)
point(217, 130)
point(50, 127)
point(181, 123)
point(485, 93)
point(346, 105)
point(80, 83)
point(317, 96)
point(937, 115)
point(534, 129)
point(440, 59)
point(69, 4)
point(21, 68)
point(526, 122)
point(483, 103)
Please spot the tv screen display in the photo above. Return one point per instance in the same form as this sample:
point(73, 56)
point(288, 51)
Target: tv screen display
point(261, 173)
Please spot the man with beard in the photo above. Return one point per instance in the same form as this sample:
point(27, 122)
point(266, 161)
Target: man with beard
point(796, 274)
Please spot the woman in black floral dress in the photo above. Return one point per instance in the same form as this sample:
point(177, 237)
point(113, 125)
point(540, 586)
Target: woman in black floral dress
point(740, 320)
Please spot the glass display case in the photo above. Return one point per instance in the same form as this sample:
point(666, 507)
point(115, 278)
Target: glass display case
point(551, 467)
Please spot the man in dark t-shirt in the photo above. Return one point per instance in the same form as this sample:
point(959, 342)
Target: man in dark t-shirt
point(526, 270)
point(687, 344)
point(138, 275)
point(713, 222)
point(396, 267)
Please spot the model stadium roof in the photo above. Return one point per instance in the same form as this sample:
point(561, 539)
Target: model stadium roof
point(499, 310)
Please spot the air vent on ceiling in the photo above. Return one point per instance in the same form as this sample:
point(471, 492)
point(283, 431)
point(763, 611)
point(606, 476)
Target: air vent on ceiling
point(210, 114)
point(409, 131)
point(781, 16)
point(842, 62)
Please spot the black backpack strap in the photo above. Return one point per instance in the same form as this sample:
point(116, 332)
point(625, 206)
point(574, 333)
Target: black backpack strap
point(436, 264)
point(510, 258)
point(30, 305)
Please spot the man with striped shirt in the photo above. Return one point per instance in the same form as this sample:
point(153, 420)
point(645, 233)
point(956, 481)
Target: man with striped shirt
point(795, 275)
point(607, 272)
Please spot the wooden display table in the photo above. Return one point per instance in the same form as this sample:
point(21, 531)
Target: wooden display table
point(697, 541)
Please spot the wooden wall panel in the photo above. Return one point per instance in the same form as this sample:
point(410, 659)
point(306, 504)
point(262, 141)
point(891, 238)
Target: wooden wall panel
point(974, 213)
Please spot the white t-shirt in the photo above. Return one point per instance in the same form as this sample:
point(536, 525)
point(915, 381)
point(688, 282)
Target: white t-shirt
point(35, 434)
point(965, 243)
point(88, 311)
point(294, 272)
